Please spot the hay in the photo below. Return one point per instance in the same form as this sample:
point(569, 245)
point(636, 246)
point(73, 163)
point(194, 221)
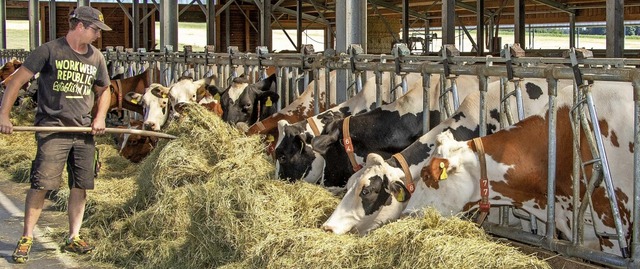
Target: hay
point(208, 200)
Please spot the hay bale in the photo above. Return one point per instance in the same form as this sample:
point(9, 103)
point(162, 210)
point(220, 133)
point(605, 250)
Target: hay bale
point(208, 199)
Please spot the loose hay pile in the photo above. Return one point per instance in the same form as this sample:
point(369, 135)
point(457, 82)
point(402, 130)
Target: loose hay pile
point(208, 199)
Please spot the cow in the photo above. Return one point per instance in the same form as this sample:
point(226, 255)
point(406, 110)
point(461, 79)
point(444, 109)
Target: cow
point(516, 163)
point(248, 103)
point(28, 89)
point(120, 87)
point(293, 147)
point(135, 147)
point(160, 103)
point(385, 130)
point(300, 109)
point(361, 215)
point(155, 103)
point(189, 91)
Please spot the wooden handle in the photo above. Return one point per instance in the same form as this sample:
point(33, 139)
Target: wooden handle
point(60, 129)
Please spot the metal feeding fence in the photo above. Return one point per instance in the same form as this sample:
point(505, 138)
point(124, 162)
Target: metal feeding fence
point(295, 70)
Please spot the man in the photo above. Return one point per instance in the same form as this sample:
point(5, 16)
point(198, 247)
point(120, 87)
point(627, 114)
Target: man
point(73, 76)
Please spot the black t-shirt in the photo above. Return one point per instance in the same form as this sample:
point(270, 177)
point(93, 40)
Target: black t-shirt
point(65, 84)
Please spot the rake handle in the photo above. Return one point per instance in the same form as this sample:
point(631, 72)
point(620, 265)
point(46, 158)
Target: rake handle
point(60, 129)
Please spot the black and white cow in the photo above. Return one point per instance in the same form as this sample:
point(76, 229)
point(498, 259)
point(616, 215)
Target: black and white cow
point(293, 147)
point(247, 103)
point(384, 130)
point(368, 202)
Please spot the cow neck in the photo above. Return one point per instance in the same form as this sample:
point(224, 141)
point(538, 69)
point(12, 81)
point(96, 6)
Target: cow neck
point(314, 126)
point(484, 182)
point(408, 179)
point(348, 145)
point(118, 92)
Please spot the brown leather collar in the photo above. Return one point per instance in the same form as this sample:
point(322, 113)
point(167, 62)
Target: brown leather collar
point(348, 145)
point(313, 126)
point(117, 90)
point(484, 203)
point(408, 179)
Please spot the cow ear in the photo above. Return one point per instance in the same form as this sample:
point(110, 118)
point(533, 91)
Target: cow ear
point(374, 159)
point(159, 91)
point(399, 191)
point(322, 143)
point(435, 170)
point(133, 97)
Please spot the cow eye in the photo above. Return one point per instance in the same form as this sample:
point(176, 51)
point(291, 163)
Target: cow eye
point(365, 192)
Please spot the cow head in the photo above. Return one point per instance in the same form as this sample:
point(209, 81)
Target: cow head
point(187, 91)
point(249, 103)
point(294, 151)
point(295, 157)
point(155, 102)
point(376, 187)
point(134, 147)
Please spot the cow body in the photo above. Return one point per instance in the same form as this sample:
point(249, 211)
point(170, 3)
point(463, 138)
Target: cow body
point(121, 87)
point(517, 169)
point(351, 215)
point(385, 130)
point(293, 148)
point(299, 109)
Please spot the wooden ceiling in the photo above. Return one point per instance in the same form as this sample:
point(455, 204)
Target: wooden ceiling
point(536, 11)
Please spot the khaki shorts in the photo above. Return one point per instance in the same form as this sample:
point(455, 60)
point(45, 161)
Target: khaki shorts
point(76, 150)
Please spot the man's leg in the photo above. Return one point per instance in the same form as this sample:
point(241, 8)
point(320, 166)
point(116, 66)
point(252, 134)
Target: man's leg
point(33, 207)
point(76, 203)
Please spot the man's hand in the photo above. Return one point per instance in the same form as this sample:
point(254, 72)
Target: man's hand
point(98, 126)
point(6, 127)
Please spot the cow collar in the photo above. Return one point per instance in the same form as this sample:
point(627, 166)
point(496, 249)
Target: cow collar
point(118, 92)
point(348, 145)
point(408, 179)
point(314, 126)
point(484, 182)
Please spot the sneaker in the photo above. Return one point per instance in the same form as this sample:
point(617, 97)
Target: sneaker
point(77, 245)
point(21, 254)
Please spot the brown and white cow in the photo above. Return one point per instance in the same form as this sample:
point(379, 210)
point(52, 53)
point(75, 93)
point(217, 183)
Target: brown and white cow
point(384, 130)
point(28, 89)
point(135, 147)
point(300, 109)
point(517, 165)
point(363, 209)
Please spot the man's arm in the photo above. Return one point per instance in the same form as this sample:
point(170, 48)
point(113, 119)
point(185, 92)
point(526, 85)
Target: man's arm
point(102, 106)
point(13, 84)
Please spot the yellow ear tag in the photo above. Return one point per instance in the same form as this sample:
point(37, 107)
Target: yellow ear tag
point(268, 103)
point(216, 97)
point(443, 176)
point(135, 101)
point(400, 195)
point(270, 138)
point(164, 95)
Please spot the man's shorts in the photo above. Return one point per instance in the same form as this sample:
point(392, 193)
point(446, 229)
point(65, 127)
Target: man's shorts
point(76, 150)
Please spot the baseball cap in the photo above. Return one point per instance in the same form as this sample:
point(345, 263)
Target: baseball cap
point(87, 13)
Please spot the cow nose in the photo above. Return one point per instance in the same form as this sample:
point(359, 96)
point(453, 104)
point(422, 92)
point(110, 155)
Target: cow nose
point(327, 228)
point(246, 108)
point(149, 126)
point(180, 107)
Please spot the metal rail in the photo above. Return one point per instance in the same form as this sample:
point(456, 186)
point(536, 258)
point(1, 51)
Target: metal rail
point(201, 64)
